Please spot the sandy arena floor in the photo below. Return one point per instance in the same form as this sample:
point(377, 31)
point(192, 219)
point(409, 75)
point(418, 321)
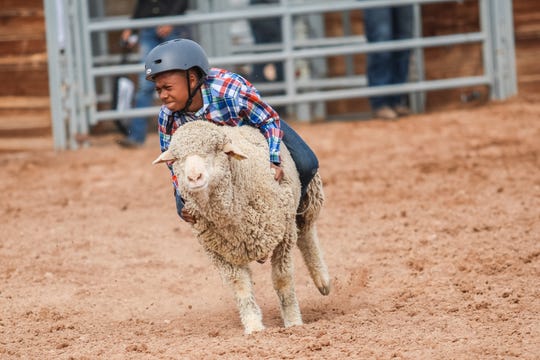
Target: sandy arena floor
point(431, 231)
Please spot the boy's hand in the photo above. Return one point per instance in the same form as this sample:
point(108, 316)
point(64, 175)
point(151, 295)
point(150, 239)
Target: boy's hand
point(187, 216)
point(278, 172)
point(128, 39)
point(164, 30)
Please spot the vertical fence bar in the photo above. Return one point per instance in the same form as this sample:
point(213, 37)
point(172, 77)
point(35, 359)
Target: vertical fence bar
point(418, 99)
point(88, 94)
point(503, 52)
point(487, 49)
point(303, 68)
point(55, 84)
point(204, 30)
point(510, 72)
point(68, 65)
point(286, 33)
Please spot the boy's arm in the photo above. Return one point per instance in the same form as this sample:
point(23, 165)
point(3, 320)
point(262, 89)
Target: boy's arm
point(265, 118)
point(165, 133)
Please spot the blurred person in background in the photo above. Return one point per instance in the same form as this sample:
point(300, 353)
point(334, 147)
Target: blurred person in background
point(148, 38)
point(388, 67)
point(266, 31)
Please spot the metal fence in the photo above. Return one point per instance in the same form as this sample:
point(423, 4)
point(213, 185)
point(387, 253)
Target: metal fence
point(80, 63)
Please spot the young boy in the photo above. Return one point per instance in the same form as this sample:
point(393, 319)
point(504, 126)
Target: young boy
point(190, 90)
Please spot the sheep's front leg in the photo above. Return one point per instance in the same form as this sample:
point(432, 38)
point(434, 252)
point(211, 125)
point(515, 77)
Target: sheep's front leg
point(239, 279)
point(283, 281)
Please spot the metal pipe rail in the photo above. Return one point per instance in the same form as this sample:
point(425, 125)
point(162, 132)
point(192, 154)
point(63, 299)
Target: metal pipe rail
point(286, 8)
point(78, 109)
point(445, 40)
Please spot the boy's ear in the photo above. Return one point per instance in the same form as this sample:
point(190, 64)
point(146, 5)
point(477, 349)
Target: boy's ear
point(193, 76)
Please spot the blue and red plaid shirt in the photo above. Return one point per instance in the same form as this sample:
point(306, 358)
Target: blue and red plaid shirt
point(228, 99)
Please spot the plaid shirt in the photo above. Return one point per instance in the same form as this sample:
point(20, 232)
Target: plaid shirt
point(228, 99)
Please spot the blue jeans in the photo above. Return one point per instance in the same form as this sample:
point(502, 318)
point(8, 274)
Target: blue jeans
point(304, 158)
point(389, 67)
point(144, 97)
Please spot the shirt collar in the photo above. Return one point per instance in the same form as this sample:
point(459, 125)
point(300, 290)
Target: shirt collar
point(166, 110)
point(205, 92)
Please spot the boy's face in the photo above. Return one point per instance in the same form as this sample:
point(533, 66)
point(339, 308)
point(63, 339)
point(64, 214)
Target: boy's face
point(172, 89)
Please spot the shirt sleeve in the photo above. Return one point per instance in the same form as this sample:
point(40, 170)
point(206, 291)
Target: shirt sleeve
point(262, 116)
point(165, 131)
point(163, 125)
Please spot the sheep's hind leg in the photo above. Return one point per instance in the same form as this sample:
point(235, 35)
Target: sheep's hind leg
point(308, 243)
point(239, 279)
point(283, 281)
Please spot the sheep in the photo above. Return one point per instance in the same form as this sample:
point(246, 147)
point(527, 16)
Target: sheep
point(244, 215)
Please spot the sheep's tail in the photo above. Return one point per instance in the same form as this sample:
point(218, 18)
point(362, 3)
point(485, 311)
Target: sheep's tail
point(312, 202)
point(308, 240)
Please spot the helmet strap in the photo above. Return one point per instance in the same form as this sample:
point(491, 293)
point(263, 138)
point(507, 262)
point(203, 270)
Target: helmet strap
point(191, 92)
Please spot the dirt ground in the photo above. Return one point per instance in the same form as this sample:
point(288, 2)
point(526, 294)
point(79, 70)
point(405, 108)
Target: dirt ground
point(431, 231)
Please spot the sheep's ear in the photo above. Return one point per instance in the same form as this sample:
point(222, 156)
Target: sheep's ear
point(232, 150)
point(165, 156)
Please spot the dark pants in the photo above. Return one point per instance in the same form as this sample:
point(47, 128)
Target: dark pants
point(388, 67)
point(305, 159)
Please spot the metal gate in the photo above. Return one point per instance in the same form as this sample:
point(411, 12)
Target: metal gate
point(79, 60)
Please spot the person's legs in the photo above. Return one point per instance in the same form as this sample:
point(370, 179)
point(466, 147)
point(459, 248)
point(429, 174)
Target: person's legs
point(402, 29)
point(266, 31)
point(138, 127)
point(378, 27)
point(305, 159)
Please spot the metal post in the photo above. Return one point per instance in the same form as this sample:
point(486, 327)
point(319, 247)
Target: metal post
point(503, 49)
point(418, 99)
point(318, 66)
point(487, 49)
point(69, 67)
point(55, 84)
point(286, 31)
point(347, 30)
point(303, 69)
point(205, 29)
point(88, 94)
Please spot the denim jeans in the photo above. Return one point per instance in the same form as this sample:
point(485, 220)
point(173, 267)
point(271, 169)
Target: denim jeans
point(388, 67)
point(304, 158)
point(144, 97)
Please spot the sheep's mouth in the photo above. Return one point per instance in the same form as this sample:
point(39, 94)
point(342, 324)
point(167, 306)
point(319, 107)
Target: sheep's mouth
point(198, 187)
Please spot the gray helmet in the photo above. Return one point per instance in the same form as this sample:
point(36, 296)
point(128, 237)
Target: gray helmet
point(178, 54)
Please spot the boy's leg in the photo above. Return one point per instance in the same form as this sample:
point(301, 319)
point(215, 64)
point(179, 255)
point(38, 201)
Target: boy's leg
point(305, 159)
point(179, 204)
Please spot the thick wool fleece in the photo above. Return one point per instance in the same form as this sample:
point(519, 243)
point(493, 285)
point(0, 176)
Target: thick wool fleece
point(244, 213)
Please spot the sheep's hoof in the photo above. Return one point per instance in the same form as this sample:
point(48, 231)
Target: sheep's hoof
point(325, 290)
point(324, 287)
point(294, 323)
point(253, 329)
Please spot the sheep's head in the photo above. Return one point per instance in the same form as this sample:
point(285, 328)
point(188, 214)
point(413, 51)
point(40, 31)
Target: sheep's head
point(195, 151)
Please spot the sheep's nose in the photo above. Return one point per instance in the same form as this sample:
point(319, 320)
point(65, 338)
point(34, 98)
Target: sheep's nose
point(194, 177)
